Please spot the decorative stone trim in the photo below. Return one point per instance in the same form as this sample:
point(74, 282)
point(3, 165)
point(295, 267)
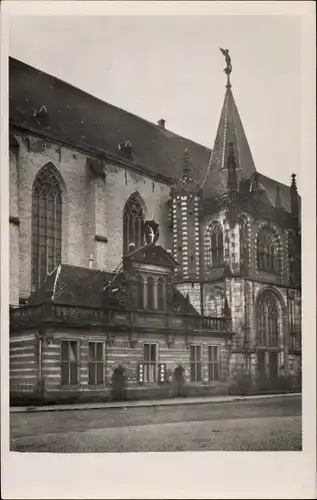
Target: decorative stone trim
point(242, 217)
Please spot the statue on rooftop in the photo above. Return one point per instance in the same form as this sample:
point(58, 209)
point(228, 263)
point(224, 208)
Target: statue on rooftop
point(228, 68)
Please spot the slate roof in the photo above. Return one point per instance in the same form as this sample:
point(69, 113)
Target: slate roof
point(82, 120)
point(270, 186)
point(77, 286)
point(230, 129)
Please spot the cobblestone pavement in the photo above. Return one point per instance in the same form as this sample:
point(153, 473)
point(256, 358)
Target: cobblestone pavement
point(34, 423)
point(268, 424)
point(256, 434)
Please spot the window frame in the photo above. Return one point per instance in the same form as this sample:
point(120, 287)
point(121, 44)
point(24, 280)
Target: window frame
point(68, 363)
point(133, 223)
point(212, 363)
point(46, 225)
point(216, 245)
point(195, 364)
point(148, 364)
point(267, 320)
point(96, 362)
point(267, 251)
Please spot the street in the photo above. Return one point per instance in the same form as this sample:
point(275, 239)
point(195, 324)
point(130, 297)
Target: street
point(253, 425)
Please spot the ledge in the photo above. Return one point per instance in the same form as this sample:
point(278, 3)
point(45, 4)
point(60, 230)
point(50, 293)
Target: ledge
point(99, 237)
point(14, 220)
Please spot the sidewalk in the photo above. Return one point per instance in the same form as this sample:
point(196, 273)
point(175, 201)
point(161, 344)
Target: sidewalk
point(145, 403)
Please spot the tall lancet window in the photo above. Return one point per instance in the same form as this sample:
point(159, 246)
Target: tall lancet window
point(267, 320)
point(133, 223)
point(46, 225)
point(216, 245)
point(267, 251)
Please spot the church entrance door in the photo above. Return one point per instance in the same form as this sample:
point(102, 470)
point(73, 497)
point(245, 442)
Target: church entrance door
point(118, 384)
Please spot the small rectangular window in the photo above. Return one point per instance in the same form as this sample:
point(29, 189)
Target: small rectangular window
point(95, 363)
point(213, 363)
point(69, 362)
point(195, 363)
point(150, 363)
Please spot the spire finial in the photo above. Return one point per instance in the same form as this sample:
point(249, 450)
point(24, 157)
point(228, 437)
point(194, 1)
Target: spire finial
point(228, 68)
point(293, 185)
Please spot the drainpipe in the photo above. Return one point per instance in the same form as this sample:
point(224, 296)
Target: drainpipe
point(40, 365)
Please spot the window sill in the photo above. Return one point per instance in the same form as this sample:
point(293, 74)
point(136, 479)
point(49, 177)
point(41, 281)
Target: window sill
point(70, 387)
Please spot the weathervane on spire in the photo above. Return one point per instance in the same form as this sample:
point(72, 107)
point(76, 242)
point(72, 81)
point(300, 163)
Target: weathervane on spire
point(228, 68)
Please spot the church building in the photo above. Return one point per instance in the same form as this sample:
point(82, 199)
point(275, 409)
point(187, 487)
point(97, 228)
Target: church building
point(143, 264)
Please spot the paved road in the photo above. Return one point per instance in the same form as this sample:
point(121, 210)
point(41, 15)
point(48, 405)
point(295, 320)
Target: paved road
point(270, 424)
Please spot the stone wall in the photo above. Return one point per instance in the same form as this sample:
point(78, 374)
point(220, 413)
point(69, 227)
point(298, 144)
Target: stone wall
point(91, 207)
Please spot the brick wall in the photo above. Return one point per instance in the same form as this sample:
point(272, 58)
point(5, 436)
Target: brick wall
point(23, 365)
point(25, 357)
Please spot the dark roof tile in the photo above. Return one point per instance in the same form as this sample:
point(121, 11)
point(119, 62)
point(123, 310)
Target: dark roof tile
point(80, 119)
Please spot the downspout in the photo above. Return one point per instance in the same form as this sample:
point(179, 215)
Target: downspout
point(40, 366)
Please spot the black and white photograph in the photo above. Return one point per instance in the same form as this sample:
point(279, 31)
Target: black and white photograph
point(155, 194)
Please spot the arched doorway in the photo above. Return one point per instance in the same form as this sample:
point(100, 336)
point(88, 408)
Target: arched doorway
point(179, 382)
point(118, 384)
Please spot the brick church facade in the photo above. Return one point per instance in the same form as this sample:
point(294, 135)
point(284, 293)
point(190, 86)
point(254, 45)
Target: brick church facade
point(143, 264)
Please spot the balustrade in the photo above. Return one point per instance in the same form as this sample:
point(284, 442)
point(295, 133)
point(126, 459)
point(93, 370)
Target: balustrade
point(77, 315)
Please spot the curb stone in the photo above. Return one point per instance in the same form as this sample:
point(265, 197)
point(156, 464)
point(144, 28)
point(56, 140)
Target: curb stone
point(139, 404)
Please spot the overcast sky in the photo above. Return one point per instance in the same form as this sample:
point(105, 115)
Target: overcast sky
point(171, 67)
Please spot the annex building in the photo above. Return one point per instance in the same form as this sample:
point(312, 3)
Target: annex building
point(143, 264)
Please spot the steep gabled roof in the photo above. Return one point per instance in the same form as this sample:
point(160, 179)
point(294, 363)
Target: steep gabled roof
point(82, 120)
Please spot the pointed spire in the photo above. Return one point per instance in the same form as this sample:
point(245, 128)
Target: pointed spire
point(278, 202)
point(230, 129)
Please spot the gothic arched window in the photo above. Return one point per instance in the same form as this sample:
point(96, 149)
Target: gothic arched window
point(150, 293)
point(46, 225)
point(160, 294)
point(267, 251)
point(216, 245)
point(133, 223)
point(267, 320)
